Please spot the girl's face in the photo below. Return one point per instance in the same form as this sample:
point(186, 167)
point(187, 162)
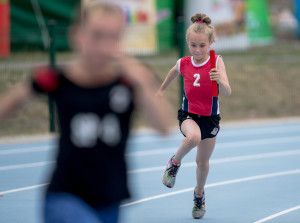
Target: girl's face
point(198, 44)
point(98, 39)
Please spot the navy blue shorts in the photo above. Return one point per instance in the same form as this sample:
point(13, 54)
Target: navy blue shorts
point(209, 125)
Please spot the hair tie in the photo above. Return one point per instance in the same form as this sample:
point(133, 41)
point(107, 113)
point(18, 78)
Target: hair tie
point(200, 21)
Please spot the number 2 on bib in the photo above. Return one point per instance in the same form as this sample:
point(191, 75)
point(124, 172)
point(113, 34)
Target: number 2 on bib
point(196, 82)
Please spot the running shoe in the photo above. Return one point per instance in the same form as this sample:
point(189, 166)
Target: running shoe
point(199, 209)
point(169, 175)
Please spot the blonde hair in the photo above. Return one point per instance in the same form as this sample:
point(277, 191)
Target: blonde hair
point(98, 6)
point(202, 24)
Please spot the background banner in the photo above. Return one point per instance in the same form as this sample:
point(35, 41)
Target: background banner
point(150, 24)
point(227, 16)
point(141, 33)
point(259, 30)
point(239, 23)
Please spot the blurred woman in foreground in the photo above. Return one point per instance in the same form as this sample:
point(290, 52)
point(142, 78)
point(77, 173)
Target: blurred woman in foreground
point(95, 97)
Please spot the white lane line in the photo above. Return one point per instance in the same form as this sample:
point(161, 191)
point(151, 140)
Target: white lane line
point(27, 165)
point(160, 168)
point(156, 197)
point(155, 138)
point(278, 214)
point(224, 133)
point(224, 145)
point(22, 189)
point(222, 183)
point(245, 179)
point(223, 160)
point(26, 150)
point(242, 143)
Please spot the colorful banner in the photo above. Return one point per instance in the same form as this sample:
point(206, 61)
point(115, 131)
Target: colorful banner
point(228, 17)
point(165, 24)
point(258, 24)
point(141, 34)
point(239, 23)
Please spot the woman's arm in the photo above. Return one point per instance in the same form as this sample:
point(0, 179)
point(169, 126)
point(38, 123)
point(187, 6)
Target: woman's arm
point(155, 110)
point(173, 73)
point(219, 75)
point(13, 99)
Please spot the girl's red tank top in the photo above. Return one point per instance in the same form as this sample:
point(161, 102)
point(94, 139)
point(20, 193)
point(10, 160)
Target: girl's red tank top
point(197, 92)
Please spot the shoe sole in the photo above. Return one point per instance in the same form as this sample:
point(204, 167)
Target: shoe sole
point(199, 217)
point(196, 217)
point(165, 183)
point(168, 186)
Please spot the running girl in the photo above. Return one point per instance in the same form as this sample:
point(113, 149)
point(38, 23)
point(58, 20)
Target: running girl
point(95, 97)
point(199, 116)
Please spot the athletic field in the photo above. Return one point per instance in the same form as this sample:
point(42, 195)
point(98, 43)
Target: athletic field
point(254, 177)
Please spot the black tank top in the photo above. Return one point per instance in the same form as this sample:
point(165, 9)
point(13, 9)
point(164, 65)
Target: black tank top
point(94, 127)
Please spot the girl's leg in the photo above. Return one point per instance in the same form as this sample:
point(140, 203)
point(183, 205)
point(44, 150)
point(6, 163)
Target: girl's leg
point(192, 138)
point(204, 152)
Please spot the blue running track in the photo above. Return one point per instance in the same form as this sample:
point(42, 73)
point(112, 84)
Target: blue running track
point(254, 178)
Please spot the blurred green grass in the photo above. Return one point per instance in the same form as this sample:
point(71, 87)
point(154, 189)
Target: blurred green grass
point(265, 83)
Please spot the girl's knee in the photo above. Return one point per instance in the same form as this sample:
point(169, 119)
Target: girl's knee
point(194, 139)
point(202, 164)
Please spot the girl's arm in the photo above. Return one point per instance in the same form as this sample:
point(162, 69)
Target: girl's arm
point(156, 111)
point(219, 75)
point(13, 99)
point(173, 73)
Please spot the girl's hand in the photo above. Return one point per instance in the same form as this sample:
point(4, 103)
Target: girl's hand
point(160, 93)
point(215, 75)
